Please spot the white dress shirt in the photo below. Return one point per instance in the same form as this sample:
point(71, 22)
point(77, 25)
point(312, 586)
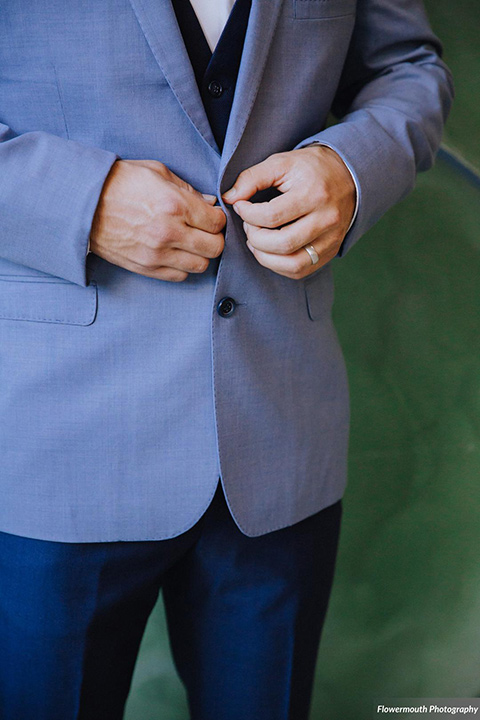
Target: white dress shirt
point(212, 16)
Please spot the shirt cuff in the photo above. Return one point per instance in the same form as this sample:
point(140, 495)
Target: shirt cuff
point(357, 193)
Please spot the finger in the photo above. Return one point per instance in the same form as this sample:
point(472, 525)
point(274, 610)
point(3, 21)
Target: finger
point(171, 263)
point(292, 266)
point(285, 240)
point(185, 261)
point(298, 264)
point(162, 273)
point(281, 210)
point(159, 273)
point(266, 174)
point(210, 199)
point(201, 243)
point(199, 214)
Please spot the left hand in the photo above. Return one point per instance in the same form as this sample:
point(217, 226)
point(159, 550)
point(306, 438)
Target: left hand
point(315, 208)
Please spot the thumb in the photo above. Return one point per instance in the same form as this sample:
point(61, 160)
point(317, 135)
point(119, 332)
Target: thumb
point(258, 177)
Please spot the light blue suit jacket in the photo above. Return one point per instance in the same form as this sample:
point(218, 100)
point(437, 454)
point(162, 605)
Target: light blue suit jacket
point(124, 398)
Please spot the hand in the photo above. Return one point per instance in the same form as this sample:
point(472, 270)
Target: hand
point(315, 208)
point(153, 223)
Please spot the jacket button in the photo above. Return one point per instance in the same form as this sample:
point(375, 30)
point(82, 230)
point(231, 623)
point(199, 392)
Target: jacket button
point(226, 307)
point(215, 89)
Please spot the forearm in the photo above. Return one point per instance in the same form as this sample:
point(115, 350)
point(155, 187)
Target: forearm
point(394, 97)
point(49, 190)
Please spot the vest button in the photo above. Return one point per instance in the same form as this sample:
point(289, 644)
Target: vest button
point(226, 307)
point(215, 89)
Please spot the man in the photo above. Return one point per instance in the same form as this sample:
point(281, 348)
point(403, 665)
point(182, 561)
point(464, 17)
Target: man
point(194, 340)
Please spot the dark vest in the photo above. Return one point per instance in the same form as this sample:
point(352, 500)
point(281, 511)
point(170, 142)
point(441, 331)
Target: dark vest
point(216, 73)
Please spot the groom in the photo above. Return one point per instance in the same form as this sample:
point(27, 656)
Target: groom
point(174, 404)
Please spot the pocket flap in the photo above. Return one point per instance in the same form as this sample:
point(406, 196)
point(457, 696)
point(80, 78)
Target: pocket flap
point(319, 293)
point(47, 300)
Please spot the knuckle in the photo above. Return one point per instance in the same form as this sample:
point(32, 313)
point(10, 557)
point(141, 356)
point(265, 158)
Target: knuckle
point(273, 217)
point(277, 158)
point(199, 265)
point(217, 248)
point(155, 174)
point(249, 230)
point(328, 198)
point(333, 247)
point(322, 190)
point(220, 221)
point(297, 275)
point(330, 245)
point(297, 268)
point(333, 217)
point(247, 174)
point(160, 169)
point(289, 245)
point(174, 275)
point(164, 237)
point(303, 165)
point(154, 167)
point(290, 273)
point(147, 257)
point(243, 178)
point(172, 204)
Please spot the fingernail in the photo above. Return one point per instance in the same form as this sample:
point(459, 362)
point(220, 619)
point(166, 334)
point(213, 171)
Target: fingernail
point(230, 194)
point(236, 209)
point(249, 247)
point(209, 198)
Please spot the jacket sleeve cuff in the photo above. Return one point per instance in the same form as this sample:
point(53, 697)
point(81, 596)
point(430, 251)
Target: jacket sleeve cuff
point(48, 196)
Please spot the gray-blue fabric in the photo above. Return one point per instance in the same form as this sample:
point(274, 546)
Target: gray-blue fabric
point(124, 398)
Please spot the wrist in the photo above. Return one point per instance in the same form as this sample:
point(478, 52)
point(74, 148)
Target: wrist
point(346, 171)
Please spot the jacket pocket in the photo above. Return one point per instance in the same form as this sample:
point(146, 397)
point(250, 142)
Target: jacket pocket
point(319, 291)
point(47, 300)
point(318, 9)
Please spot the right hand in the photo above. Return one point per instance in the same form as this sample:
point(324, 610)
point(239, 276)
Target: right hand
point(153, 223)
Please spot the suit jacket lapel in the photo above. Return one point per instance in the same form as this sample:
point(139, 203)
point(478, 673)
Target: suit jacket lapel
point(261, 26)
point(159, 24)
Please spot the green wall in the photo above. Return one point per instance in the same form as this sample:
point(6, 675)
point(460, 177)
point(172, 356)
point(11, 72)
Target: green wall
point(457, 23)
point(405, 610)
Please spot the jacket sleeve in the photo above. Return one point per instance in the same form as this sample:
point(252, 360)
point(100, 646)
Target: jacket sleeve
point(393, 99)
point(49, 190)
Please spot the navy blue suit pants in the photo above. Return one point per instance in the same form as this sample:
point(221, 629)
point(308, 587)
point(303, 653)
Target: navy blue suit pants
point(244, 617)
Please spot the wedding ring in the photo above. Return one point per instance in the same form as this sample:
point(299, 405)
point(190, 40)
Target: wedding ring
point(313, 253)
